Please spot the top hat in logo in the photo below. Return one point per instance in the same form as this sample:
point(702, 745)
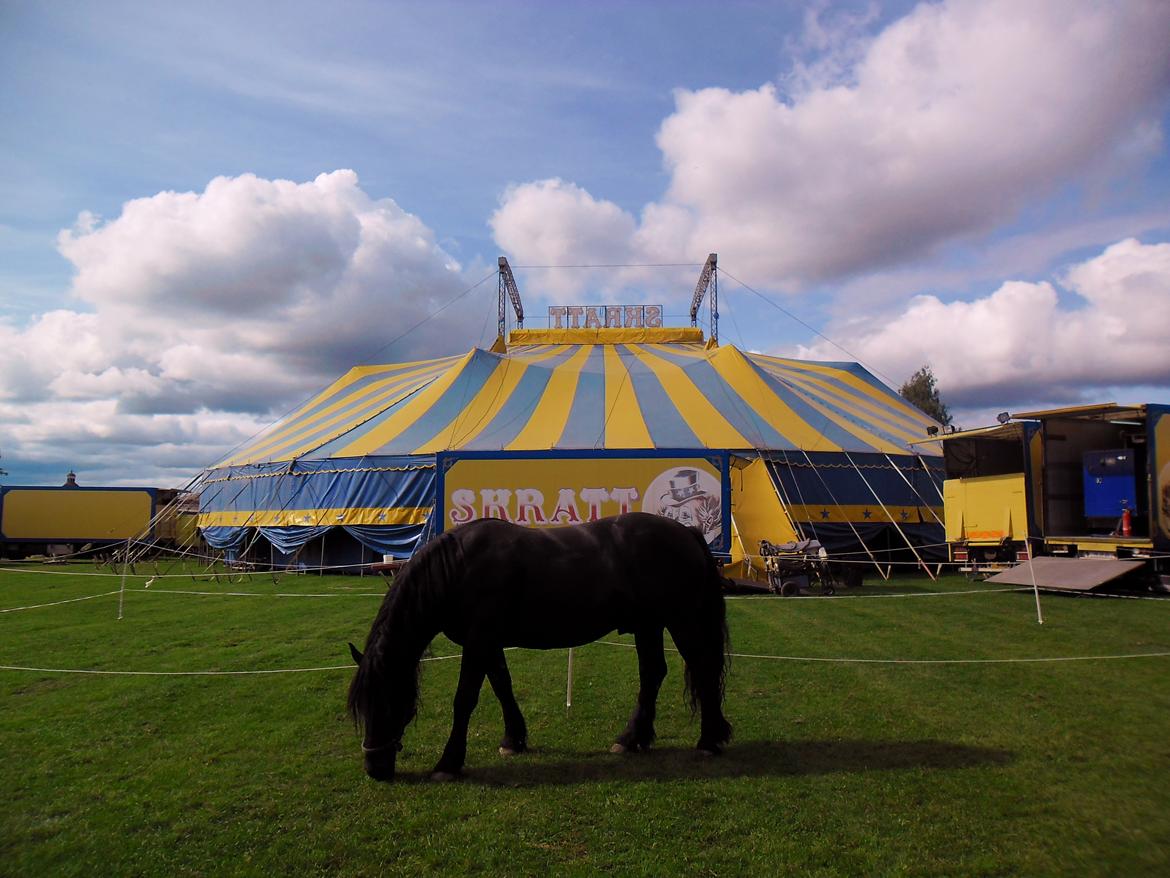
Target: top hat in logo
point(684, 485)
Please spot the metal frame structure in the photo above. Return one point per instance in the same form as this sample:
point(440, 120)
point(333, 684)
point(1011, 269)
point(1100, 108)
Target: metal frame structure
point(708, 280)
point(508, 285)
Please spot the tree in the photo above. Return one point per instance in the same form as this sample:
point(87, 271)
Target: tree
point(921, 390)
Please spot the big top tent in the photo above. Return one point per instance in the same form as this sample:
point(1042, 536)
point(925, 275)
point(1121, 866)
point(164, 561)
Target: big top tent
point(559, 426)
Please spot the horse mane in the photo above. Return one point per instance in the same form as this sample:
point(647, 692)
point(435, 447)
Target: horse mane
point(393, 649)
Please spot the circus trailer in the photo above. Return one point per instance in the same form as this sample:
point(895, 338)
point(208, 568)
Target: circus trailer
point(36, 520)
point(1046, 488)
point(605, 411)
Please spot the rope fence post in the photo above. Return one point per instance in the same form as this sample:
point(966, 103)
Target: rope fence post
point(1035, 587)
point(569, 682)
point(122, 590)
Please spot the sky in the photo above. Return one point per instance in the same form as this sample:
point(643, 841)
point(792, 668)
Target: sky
point(210, 211)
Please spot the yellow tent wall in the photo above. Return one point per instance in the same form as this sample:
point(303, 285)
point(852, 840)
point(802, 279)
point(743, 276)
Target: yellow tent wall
point(756, 514)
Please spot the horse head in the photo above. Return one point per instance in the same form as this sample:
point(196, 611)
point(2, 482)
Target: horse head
point(383, 706)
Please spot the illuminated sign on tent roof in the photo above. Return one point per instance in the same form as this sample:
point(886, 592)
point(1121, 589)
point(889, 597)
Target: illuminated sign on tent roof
point(604, 316)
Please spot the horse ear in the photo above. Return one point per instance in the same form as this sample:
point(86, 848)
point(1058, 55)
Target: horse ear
point(357, 656)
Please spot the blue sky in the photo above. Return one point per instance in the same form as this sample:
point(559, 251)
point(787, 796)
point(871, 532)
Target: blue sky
point(208, 211)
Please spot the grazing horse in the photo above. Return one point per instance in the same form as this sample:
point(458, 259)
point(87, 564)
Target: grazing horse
point(489, 585)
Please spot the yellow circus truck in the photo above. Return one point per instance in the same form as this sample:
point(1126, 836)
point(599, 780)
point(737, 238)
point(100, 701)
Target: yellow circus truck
point(37, 520)
point(1042, 489)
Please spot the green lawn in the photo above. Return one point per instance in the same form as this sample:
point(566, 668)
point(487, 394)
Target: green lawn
point(836, 768)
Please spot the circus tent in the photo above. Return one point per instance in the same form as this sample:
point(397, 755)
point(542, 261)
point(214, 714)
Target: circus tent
point(558, 426)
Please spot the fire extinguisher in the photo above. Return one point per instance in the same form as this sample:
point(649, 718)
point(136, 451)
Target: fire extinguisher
point(1126, 523)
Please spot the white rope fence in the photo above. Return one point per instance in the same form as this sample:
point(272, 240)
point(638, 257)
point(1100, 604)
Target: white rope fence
point(231, 594)
point(201, 575)
point(781, 602)
point(88, 597)
point(258, 594)
point(103, 673)
point(854, 597)
point(989, 661)
point(762, 597)
point(744, 655)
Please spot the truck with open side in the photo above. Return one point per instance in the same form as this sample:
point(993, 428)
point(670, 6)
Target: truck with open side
point(1042, 488)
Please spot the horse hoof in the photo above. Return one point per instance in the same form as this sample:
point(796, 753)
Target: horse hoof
point(704, 752)
point(508, 751)
point(443, 776)
point(618, 748)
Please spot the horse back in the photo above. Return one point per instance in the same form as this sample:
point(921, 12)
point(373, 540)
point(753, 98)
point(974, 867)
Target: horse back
point(569, 585)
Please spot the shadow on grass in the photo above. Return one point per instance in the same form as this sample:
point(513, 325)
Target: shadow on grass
point(747, 759)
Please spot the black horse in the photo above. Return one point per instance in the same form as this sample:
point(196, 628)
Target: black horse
point(489, 585)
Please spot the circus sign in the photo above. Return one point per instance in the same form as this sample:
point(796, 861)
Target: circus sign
point(554, 490)
point(604, 316)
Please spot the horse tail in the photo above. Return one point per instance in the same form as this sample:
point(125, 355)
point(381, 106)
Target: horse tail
point(713, 615)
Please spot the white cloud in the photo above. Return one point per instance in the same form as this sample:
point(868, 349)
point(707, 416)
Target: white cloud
point(243, 298)
point(1021, 344)
point(830, 47)
point(551, 222)
point(105, 445)
point(241, 246)
point(947, 123)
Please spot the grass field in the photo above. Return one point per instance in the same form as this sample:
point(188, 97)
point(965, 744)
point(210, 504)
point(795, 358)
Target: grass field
point(837, 768)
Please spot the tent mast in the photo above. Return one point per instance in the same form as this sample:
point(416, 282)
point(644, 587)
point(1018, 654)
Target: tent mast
point(708, 279)
point(508, 285)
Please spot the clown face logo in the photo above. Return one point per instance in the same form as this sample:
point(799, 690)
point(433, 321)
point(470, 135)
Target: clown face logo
point(689, 496)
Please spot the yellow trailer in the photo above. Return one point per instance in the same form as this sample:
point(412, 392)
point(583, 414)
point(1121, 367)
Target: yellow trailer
point(1083, 482)
point(58, 520)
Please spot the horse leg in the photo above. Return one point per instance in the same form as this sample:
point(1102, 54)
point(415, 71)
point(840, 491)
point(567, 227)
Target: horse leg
point(714, 729)
point(471, 674)
point(704, 671)
point(515, 738)
point(639, 731)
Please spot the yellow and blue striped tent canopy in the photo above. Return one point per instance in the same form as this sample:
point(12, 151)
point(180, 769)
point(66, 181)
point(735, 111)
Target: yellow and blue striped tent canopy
point(664, 390)
point(361, 454)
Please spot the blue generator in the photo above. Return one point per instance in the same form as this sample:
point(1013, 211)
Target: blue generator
point(1110, 486)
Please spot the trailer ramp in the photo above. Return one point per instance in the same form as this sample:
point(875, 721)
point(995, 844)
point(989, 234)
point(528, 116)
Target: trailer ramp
point(1066, 574)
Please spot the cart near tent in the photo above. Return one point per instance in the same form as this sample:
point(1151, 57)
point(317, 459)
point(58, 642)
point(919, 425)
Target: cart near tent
point(793, 568)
